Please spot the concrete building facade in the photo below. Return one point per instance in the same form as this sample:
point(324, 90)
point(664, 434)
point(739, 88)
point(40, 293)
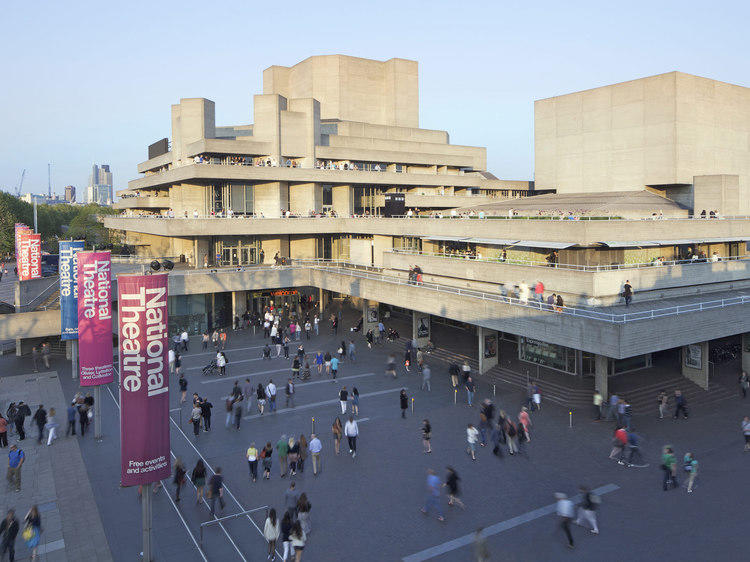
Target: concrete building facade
point(658, 132)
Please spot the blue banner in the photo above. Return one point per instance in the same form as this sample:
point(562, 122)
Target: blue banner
point(69, 288)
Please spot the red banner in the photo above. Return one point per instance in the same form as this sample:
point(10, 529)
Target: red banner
point(144, 379)
point(29, 255)
point(95, 318)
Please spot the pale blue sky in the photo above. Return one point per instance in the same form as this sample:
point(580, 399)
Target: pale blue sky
point(86, 82)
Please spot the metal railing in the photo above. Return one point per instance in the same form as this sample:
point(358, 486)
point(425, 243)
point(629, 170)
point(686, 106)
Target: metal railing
point(44, 293)
point(592, 268)
point(543, 306)
point(220, 520)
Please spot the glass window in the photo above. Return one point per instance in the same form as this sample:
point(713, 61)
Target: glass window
point(327, 195)
point(547, 354)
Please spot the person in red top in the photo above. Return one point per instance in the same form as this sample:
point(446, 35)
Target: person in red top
point(539, 291)
point(618, 444)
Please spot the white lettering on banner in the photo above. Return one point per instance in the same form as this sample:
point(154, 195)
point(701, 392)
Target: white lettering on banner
point(25, 253)
point(35, 257)
point(96, 290)
point(66, 269)
point(142, 467)
point(152, 303)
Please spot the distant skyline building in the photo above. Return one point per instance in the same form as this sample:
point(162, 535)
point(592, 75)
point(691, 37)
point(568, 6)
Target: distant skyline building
point(70, 193)
point(99, 189)
point(42, 199)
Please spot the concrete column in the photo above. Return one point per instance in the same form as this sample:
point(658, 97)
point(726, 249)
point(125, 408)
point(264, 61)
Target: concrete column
point(343, 199)
point(196, 261)
point(380, 244)
point(488, 349)
point(420, 327)
point(305, 197)
point(746, 352)
point(239, 303)
point(271, 198)
point(302, 246)
point(694, 363)
point(323, 300)
point(601, 368)
point(370, 316)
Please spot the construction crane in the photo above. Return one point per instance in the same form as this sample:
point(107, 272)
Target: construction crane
point(20, 183)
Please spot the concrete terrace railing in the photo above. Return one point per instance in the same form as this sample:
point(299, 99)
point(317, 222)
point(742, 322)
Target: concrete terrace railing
point(580, 312)
point(592, 268)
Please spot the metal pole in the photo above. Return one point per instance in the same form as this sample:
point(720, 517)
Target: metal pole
point(312, 429)
point(412, 405)
point(455, 396)
point(98, 411)
point(494, 390)
point(35, 228)
point(570, 417)
point(146, 521)
point(74, 359)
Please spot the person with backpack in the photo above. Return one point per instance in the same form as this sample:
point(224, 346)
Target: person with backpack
point(587, 509)
point(266, 454)
point(512, 435)
point(680, 405)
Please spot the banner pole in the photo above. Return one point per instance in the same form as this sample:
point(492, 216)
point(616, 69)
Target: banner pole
point(74, 359)
point(98, 412)
point(146, 521)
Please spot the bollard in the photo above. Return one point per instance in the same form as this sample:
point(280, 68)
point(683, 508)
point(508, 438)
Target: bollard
point(455, 396)
point(494, 390)
point(312, 430)
point(412, 405)
point(570, 418)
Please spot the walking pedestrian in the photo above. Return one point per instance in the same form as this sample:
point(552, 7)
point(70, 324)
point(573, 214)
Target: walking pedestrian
point(343, 398)
point(183, 388)
point(512, 435)
point(451, 482)
point(3, 432)
point(252, 461)
point(32, 530)
point(237, 411)
point(195, 417)
point(565, 512)
point(184, 339)
point(338, 432)
point(221, 363)
point(587, 509)
point(284, 530)
point(35, 353)
point(282, 449)
point(744, 382)
point(40, 418)
point(635, 459)
point(271, 395)
point(470, 388)
point(407, 360)
point(171, 357)
point(619, 441)
point(204, 340)
point(315, 447)
point(206, 407)
point(248, 390)
point(690, 466)
point(403, 402)
point(298, 538)
point(260, 395)
point(680, 405)
point(668, 465)
point(662, 401)
point(293, 456)
point(289, 391)
point(334, 363)
point(390, 368)
point(303, 513)
point(426, 436)
point(746, 432)
point(46, 351)
point(627, 292)
point(302, 452)
point(432, 499)
point(319, 361)
point(51, 426)
point(327, 361)
point(216, 490)
point(426, 376)
point(351, 430)
point(350, 351)
point(8, 533)
point(266, 454)
point(179, 477)
point(355, 401)
point(291, 496)
point(598, 400)
point(472, 436)
point(271, 532)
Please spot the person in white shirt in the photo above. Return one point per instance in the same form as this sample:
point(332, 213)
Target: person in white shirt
point(221, 363)
point(271, 395)
point(523, 292)
point(565, 511)
point(472, 436)
point(351, 431)
point(195, 213)
point(171, 360)
point(315, 447)
point(184, 339)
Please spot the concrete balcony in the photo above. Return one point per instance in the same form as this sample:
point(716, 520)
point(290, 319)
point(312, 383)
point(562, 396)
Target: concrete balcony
point(573, 232)
point(142, 202)
point(218, 172)
point(155, 163)
point(578, 286)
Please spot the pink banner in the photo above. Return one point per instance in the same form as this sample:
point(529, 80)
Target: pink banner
point(95, 318)
point(28, 254)
point(144, 379)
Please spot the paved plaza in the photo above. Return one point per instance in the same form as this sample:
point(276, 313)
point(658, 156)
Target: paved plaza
point(367, 508)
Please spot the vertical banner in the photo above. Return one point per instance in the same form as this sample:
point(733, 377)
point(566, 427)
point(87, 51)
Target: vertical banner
point(144, 379)
point(69, 288)
point(95, 318)
point(23, 253)
point(35, 255)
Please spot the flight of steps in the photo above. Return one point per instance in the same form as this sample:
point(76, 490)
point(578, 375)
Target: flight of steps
point(571, 398)
point(643, 398)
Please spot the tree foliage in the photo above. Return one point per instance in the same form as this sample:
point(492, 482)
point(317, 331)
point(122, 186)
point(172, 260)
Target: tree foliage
point(54, 222)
